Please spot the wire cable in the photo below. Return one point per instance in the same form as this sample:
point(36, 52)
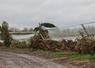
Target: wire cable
point(79, 24)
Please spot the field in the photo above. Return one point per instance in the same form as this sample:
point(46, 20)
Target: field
point(61, 57)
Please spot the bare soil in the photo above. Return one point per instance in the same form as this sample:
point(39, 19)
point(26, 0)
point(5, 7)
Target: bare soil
point(40, 59)
point(13, 60)
point(75, 63)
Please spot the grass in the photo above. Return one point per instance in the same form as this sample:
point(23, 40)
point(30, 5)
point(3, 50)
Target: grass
point(16, 50)
point(72, 55)
point(51, 54)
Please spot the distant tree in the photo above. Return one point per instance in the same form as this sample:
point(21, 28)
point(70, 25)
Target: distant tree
point(5, 34)
point(31, 29)
point(12, 29)
point(25, 30)
point(17, 30)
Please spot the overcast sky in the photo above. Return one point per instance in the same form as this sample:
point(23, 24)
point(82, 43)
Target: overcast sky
point(60, 12)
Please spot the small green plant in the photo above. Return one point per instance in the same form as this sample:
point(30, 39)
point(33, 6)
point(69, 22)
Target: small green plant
point(71, 55)
point(20, 44)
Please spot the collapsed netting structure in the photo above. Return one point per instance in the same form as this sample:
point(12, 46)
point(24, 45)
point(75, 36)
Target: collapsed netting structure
point(85, 43)
point(43, 39)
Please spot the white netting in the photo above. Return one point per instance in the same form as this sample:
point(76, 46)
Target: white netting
point(54, 33)
point(22, 37)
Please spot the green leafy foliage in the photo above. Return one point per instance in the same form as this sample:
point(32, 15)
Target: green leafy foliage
point(36, 29)
point(48, 25)
point(20, 44)
point(5, 34)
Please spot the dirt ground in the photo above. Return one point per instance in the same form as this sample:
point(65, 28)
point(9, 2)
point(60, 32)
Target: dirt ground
point(40, 59)
point(13, 60)
point(76, 63)
point(67, 62)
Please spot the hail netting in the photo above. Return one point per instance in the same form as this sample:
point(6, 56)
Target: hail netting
point(74, 31)
point(54, 33)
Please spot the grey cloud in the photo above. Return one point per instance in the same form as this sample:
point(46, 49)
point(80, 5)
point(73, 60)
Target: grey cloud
point(60, 12)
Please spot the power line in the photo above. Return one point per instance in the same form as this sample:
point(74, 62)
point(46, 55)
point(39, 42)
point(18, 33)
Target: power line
point(80, 24)
point(90, 22)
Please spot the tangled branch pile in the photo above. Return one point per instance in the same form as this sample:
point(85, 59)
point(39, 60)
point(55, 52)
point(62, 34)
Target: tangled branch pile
point(42, 41)
point(84, 45)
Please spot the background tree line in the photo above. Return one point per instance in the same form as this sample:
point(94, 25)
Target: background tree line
point(76, 31)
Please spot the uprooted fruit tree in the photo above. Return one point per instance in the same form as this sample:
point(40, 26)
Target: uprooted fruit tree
point(84, 45)
point(41, 40)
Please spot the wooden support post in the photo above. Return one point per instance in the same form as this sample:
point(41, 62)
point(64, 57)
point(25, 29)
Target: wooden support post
point(84, 29)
